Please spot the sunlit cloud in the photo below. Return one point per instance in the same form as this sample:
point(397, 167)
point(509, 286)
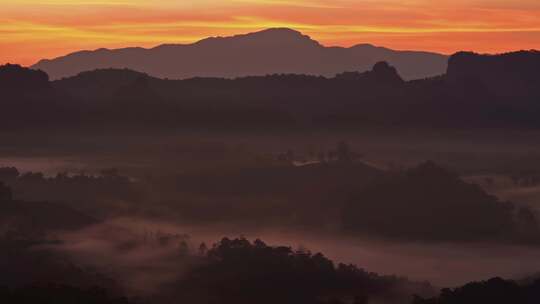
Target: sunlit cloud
point(56, 27)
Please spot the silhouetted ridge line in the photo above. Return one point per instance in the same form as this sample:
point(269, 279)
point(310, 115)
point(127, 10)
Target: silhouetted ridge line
point(508, 74)
point(275, 36)
point(478, 91)
point(271, 51)
point(15, 77)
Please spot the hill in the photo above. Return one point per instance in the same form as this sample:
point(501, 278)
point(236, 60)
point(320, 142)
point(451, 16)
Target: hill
point(430, 203)
point(498, 91)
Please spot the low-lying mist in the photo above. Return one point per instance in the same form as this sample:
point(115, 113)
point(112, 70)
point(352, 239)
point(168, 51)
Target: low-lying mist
point(138, 212)
point(146, 254)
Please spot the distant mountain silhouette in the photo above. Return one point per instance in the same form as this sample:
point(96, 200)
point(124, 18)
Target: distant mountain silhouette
point(266, 52)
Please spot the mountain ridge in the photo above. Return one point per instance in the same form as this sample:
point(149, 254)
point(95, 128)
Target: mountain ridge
point(271, 51)
point(478, 91)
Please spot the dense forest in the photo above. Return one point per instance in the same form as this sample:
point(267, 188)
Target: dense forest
point(477, 91)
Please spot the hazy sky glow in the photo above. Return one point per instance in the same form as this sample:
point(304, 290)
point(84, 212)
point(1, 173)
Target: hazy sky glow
point(33, 29)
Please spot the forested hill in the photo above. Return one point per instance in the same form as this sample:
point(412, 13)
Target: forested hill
point(478, 91)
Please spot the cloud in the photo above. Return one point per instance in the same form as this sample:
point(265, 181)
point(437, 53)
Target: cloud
point(56, 27)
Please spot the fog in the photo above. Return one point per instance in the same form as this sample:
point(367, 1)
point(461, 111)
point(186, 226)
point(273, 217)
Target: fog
point(161, 202)
point(129, 250)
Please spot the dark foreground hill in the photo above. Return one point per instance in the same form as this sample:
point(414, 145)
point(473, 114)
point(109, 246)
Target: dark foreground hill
point(255, 54)
point(240, 271)
point(478, 91)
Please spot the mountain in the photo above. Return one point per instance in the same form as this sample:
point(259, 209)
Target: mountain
point(272, 51)
point(14, 78)
point(27, 97)
point(477, 91)
point(509, 74)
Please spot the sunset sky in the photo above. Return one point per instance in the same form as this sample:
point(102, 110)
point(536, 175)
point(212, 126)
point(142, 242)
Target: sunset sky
point(31, 30)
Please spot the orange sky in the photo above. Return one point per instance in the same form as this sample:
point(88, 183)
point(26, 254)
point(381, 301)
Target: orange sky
point(33, 29)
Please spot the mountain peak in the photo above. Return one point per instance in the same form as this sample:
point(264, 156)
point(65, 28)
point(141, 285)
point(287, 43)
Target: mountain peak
point(281, 31)
point(267, 37)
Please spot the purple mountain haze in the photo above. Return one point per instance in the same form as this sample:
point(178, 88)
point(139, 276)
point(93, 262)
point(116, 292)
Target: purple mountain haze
point(272, 51)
